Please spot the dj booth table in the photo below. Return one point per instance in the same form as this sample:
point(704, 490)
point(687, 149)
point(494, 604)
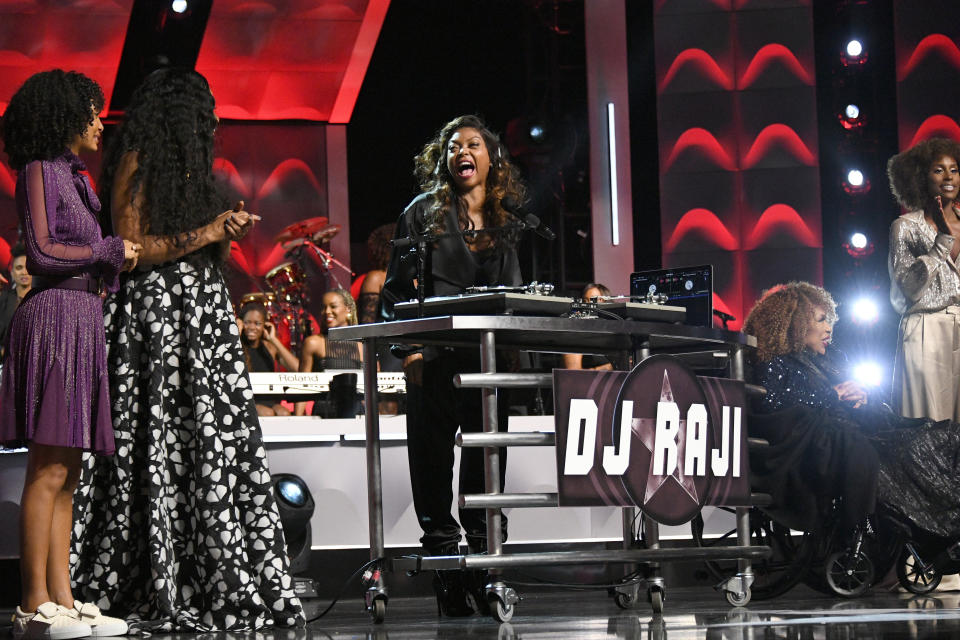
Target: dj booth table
point(629, 342)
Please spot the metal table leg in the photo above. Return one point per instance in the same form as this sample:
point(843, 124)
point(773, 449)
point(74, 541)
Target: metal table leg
point(502, 598)
point(656, 589)
point(375, 596)
point(738, 591)
point(628, 595)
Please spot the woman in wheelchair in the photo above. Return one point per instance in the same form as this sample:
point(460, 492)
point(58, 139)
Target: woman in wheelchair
point(830, 439)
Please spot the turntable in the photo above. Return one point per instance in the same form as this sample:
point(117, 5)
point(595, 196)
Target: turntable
point(492, 301)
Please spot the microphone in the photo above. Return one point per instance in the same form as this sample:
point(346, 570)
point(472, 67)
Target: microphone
point(530, 221)
point(723, 315)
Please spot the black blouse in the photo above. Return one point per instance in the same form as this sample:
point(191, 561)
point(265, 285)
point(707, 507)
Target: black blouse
point(451, 265)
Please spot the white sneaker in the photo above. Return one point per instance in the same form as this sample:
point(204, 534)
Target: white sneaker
point(101, 626)
point(48, 622)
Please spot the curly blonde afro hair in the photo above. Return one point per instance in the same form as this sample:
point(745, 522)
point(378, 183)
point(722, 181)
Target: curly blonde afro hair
point(783, 314)
point(908, 170)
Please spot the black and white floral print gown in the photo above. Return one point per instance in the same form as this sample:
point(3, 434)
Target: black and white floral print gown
point(180, 526)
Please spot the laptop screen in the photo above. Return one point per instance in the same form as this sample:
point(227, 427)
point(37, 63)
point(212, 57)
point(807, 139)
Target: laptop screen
point(688, 287)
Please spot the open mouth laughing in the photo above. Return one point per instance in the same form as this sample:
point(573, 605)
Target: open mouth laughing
point(465, 168)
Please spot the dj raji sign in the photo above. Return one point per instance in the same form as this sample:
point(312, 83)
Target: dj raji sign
point(658, 437)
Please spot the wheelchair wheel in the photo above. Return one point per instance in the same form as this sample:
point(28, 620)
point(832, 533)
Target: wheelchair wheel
point(849, 574)
point(773, 576)
point(914, 574)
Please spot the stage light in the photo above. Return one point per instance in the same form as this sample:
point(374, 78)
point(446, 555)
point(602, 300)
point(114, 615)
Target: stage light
point(296, 506)
point(538, 133)
point(858, 245)
point(856, 182)
point(850, 117)
point(868, 373)
point(612, 164)
point(853, 53)
point(293, 492)
point(865, 311)
point(178, 6)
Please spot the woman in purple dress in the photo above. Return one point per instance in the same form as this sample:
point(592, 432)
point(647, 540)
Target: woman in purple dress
point(54, 389)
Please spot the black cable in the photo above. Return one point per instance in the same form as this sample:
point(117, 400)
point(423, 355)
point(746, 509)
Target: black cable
point(609, 314)
point(367, 565)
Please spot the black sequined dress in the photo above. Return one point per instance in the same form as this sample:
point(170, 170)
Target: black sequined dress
point(919, 460)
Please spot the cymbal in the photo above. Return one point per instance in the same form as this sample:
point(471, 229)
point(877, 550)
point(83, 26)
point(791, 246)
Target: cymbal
point(302, 229)
point(326, 233)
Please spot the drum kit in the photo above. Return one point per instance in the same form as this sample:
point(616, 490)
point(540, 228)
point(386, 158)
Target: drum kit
point(287, 298)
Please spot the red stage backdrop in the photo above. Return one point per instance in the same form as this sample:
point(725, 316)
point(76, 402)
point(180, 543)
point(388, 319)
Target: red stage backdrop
point(928, 70)
point(282, 73)
point(277, 170)
point(739, 183)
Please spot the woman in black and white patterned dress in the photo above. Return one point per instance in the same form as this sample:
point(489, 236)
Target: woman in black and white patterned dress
point(181, 527)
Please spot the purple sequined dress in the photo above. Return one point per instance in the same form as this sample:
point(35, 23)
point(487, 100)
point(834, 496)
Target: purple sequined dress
point(55, 389)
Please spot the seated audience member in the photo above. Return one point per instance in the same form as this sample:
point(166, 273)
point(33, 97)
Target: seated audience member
point(262, 350)
point(830, 437)
point(12, 296)
point(321, 354)
point(366, 289)
point(591, 292)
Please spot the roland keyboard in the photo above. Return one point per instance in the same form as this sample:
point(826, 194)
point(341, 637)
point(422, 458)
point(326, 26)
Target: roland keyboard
point(292, 384)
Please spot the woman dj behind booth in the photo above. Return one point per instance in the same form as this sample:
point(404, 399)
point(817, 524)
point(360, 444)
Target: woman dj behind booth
point(463, 173)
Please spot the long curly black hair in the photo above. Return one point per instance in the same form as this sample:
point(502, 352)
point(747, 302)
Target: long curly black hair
point(46, 113)
point(908, 170)
point(430, 168)
point(782, 316)
point(170, 123)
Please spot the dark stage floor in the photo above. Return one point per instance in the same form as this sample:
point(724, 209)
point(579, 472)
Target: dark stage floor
point(689, 613)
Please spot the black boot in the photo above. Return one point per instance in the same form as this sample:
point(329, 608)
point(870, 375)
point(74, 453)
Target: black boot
point(477, 579)
point(476, 582)
point(453, 597)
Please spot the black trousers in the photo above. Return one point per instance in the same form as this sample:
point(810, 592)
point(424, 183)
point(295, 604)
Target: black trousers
point(434, 412)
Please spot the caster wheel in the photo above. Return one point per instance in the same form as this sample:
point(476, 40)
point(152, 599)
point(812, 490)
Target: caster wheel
point(849, 575)
point(501, 612)
point(626, 600)
point(738, 599)
point(378, 610)
point(656, 600)
point(914, 575)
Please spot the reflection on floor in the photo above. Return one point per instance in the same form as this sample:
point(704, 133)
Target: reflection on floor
point(689, 613)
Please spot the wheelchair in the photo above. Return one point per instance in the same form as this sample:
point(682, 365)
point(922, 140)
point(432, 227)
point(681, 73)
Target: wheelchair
point(825, 558)
point(924, 558)
point(836, 562)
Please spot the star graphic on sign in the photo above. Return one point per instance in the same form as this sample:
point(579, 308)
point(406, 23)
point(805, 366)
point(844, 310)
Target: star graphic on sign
point(646, 429)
